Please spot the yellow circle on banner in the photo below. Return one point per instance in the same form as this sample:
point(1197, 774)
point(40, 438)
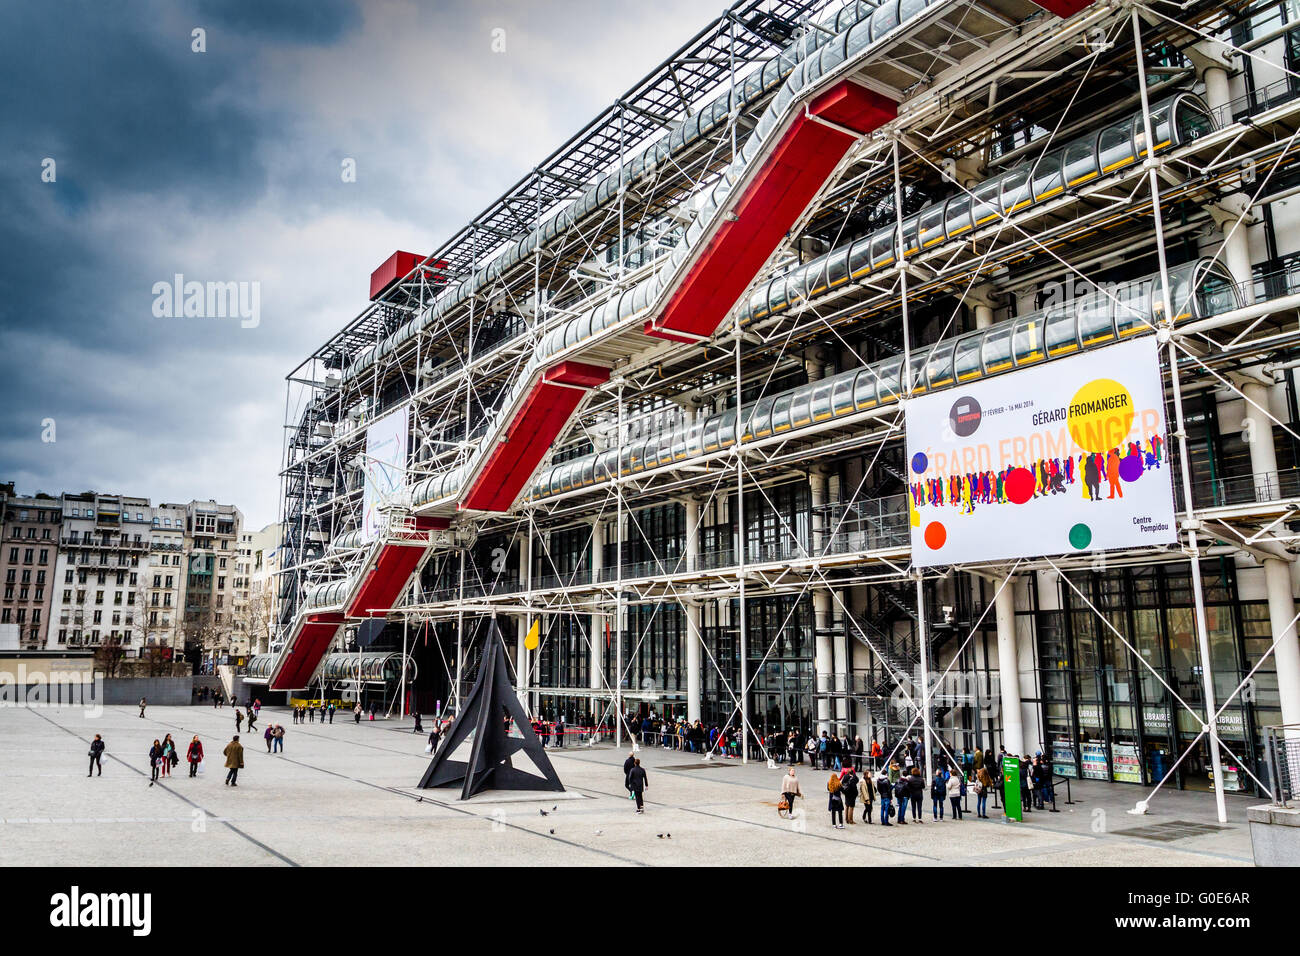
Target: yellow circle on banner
point(1100, 415)
point(532, 638)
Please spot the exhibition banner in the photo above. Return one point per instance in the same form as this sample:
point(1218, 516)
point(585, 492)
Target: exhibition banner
point(1065, 457)
point(385, 466)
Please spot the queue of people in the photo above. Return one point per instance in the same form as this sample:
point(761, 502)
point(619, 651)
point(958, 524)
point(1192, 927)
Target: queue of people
point(898, 783)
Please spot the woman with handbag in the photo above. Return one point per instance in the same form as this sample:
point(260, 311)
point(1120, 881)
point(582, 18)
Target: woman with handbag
point(836, 801)
point(155, 758)
point(168, 751)
point(789, 790)
point(983, 786)
point(194, 754)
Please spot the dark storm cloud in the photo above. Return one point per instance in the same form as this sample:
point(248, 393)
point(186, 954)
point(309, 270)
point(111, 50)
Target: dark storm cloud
point(224, 166)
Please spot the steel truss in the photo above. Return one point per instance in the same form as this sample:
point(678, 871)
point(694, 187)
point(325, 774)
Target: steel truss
point(982, 85)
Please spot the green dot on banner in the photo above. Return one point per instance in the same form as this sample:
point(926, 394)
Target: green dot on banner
point(1080, 536)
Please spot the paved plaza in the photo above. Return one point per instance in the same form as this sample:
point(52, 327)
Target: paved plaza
point(344, 794)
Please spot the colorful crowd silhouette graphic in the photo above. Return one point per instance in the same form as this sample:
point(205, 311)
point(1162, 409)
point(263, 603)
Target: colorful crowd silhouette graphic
point(1100, 475)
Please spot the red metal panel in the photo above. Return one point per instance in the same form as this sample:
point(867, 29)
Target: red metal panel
point(769, 205)
point(396, 267)
point(306, 646)
point(542, 415)
point(577, 373)
point(1064, 8)
point(385, 580)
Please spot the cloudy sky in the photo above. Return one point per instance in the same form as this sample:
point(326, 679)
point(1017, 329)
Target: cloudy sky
point(225, 165)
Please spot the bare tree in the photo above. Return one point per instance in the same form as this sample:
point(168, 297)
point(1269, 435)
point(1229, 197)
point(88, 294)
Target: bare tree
point(109, 655)
point(201, 629)
point(158, 659)
point(253, 617)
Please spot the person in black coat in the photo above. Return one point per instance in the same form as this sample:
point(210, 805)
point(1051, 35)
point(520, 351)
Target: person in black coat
point(849, 786)
point(638, 783)
point(96, 752)
point(916, 793)
point(628, 764)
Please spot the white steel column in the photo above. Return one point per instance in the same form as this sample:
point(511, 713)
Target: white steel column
point(692, 610)
point(617, 629)
point(923, 646)
point(1013, 730)
point(823, 649)
point(981, 299)
point(1236, 246)
point(521, 652)
point(596, 630)
point(741, 532)
point(1277, 572)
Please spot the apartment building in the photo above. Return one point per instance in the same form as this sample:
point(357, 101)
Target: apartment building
point(164, 584)
point(103, 551)
point(28, 549)
point(211, 542)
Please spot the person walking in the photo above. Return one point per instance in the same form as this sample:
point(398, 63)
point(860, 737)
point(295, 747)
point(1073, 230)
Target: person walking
point(638, 783)
point(239, 720)
point(628, 764)
point(168, 755)
point(331, 712)
point(956, 785)
point(155, 758)
point(252, 718)
point(849, 786)
point(559, 731)
point(433, 739)
point(417, 729)
point(268, 735)
point(866, 793)
point(194, 755)
point(790, 788)
point(143, 703)
point(279, 738)
point(96, 752)
point(234, 754)
point(835, 802)
point(356, 713)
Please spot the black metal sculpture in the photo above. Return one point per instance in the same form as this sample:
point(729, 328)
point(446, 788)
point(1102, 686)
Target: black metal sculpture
point(484, 713)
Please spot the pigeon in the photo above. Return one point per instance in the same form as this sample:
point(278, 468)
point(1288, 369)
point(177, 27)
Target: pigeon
point(554, 808)
point(599, 832)
point(664, 836)
point(552, 831)
point(543, 813)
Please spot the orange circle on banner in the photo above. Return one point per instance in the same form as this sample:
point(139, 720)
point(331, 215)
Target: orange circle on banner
point(1100, 415)
point(935, 535)
point(531, 640)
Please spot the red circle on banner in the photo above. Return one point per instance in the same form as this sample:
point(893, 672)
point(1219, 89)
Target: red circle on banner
point(935, 535)
point(1020, 485)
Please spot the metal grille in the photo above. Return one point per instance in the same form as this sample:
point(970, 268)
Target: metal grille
point(1282, 747)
